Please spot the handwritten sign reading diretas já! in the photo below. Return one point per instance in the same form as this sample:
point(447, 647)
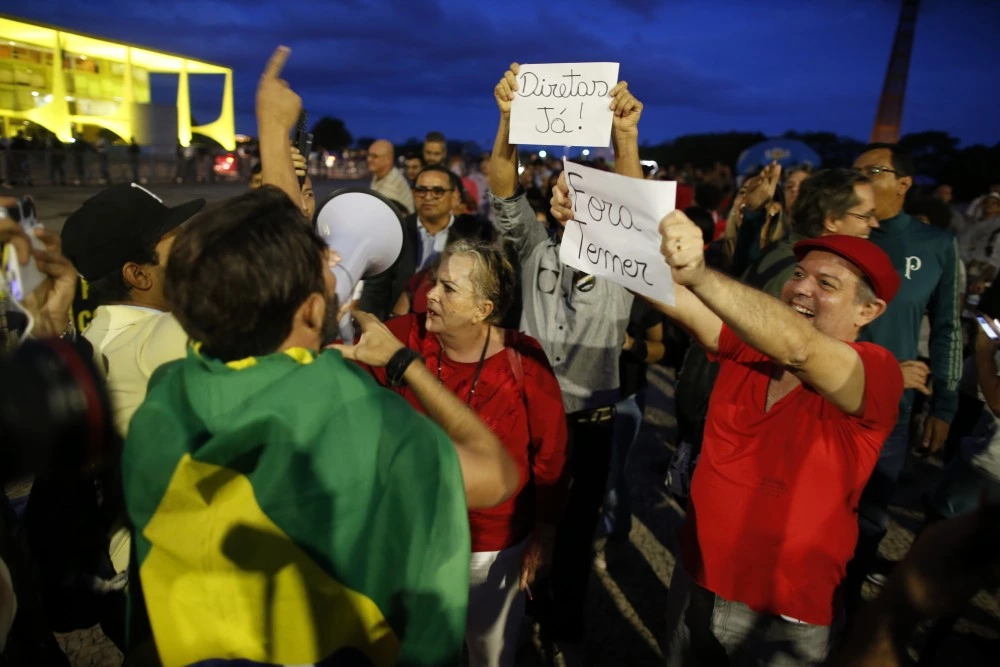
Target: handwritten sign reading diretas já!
point(563, 104)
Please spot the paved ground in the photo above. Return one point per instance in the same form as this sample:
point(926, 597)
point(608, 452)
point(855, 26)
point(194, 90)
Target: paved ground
point(626, 606)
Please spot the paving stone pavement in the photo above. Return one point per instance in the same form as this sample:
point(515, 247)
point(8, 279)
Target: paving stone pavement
point(626, 605)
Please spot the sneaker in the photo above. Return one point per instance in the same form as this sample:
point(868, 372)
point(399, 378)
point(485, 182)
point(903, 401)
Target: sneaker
point(877, 578)
point(880, 575)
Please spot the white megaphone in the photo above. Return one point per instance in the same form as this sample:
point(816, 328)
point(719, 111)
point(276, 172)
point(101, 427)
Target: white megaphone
point(365, 230)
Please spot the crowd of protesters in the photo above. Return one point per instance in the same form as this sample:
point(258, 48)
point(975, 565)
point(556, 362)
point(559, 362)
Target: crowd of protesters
point(277, 495)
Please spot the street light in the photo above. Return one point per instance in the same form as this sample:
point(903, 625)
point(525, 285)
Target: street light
point(586, 152)
point(542, 154)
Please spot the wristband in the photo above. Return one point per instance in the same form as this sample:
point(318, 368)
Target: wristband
point(398, 364)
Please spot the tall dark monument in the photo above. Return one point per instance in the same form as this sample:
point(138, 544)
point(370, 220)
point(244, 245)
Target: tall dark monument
point(890, 106)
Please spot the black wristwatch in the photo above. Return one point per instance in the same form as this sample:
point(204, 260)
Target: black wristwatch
point(398, 364)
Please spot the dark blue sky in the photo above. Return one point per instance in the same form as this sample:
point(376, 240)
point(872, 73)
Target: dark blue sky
point(398, 68)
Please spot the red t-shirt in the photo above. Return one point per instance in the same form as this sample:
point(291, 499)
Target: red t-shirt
point(500, 402)
point(772, 520)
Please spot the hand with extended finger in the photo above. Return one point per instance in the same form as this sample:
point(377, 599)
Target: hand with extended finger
point(683, 248)
point(277, 104)
point(761, 188)
point(376, 345)
point(626, 108)
point(562, 205)
point(506, 89)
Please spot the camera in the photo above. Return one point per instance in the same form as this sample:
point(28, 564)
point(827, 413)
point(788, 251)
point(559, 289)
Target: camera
point(21, 280)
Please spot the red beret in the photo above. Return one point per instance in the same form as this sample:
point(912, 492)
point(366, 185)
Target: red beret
point(864, 254)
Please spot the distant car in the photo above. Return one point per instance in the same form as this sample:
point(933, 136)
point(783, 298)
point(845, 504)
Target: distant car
point(227, 166)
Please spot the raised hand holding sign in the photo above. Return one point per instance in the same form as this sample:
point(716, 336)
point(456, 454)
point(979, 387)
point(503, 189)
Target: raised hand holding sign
point(612, 229)
point(564, 104)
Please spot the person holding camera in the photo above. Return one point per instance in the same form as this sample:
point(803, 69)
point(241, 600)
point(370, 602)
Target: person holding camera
point(49, 304)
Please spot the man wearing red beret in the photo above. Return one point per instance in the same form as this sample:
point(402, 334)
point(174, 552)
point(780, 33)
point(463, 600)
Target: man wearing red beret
point(795, 424)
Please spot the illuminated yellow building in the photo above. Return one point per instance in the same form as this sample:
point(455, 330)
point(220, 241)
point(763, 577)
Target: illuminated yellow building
point(60, 79)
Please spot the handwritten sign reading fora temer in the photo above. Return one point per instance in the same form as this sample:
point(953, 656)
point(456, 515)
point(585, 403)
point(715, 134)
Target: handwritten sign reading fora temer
point(615, 230)
point(563, 104)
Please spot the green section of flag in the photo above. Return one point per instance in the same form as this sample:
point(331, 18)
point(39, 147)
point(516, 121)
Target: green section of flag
point(368, 488)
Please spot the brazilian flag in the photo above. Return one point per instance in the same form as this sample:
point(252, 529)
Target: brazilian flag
point(289, 511)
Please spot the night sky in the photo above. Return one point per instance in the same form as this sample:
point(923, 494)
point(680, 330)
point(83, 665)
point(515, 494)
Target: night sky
point(398, 68)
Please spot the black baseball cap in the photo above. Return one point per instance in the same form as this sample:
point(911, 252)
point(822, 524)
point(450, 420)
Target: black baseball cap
point(115, 224)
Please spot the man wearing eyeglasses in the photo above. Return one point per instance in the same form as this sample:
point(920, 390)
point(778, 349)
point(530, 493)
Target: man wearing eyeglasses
point(436, 193)
point(927, 261)
point(831, 201)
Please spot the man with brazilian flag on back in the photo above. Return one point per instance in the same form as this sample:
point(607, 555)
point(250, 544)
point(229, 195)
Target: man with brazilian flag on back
point(288, 510)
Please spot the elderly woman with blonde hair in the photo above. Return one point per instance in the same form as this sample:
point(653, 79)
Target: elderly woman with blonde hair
point(504, 376)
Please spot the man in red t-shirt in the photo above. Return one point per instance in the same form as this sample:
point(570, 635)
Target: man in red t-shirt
point(795, 424)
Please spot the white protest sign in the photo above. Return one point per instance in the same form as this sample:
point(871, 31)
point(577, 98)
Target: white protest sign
point(563, 104)
point(615, 230)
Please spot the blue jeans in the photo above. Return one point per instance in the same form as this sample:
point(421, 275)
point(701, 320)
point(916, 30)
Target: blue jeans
point(706, 629)
point(616, 518)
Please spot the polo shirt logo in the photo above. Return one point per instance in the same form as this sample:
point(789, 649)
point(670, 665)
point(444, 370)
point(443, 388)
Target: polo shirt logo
point(912, 264)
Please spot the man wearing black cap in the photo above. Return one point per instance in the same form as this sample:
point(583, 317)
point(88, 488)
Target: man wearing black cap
point(794, 428)
point(119, 241)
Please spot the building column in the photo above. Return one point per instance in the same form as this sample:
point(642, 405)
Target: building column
point(227, 121)
point(128, 99)
point(183, 107)
point(58, 116)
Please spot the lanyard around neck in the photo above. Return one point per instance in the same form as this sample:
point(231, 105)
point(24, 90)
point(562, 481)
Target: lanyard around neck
point(479, 368)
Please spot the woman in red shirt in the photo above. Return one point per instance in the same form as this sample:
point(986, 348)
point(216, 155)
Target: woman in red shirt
point(505, 377)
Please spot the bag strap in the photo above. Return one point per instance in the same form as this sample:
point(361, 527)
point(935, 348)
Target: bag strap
point(517, 368)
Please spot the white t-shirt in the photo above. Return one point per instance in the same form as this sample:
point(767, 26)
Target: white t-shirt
point(130, 342)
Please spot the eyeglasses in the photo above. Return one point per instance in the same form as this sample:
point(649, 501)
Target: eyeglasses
point(863, 216)
point(875, 170)
point(437, 193)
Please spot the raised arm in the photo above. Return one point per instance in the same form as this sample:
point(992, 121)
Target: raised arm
point(830, 366)
point(489, 474)
point(625, 130)
point(514, 215)
point(689, 312)
point(693, 316)
point(502, 178)
point(278, 109)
